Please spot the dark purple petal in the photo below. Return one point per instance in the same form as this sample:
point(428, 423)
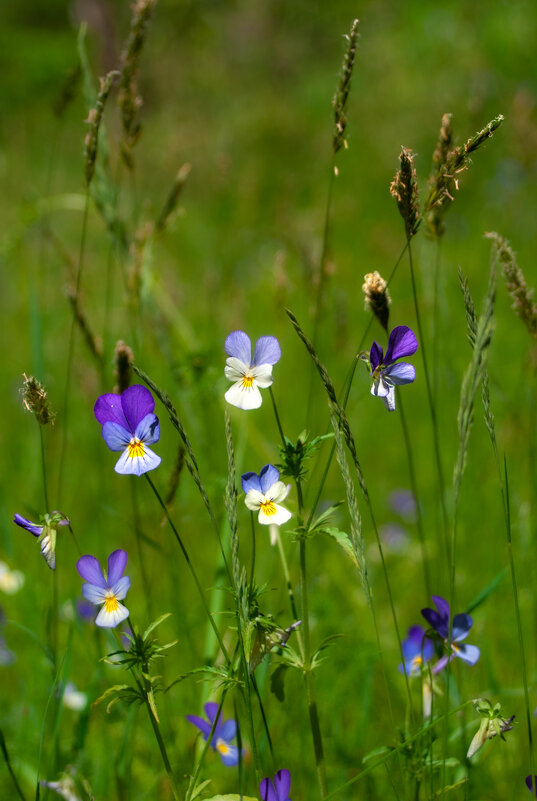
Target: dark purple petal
point(201, 724)
point(238, 345)
point(90, 570)
point(267, 791)
point(282, 784)
point(442, 606)
point(116, 437)
point(468, 653)
point(461, 626)
point(400, 373)
point(108, 409)
point(375, 356)
point(33, 528)
point(250, 481)
point(228, 730)
point(267, 351)
point(402, 342)
point(438, 622)
point(116, 566)
point(267, 477)
point(137, 402)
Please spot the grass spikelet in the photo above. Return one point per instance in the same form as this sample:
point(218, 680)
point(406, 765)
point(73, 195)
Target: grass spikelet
point(173, 198)
point(404, 188)
point(523, 303)
point(94, 120)
point(446, 175)
point(472, 378)
point(35, 400)
point(93, 342)
point(231, 504)
point(443, 148)
point(129, 100)
point(342, 94)
point(377, 297)
point(123, 361)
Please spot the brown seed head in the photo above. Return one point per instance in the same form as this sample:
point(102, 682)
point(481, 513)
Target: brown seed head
point(35, 400)
point(404, 188)
point(523, 303)
point(123, 361)
point(377, 297)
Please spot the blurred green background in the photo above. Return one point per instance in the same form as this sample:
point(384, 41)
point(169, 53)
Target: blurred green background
point(242, 92)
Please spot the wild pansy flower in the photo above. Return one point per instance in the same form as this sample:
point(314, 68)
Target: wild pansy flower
point(417, 649)
point(130, 425)
point(385, 371)
point(224, 732)
point(462, 623)
point(11, 581)
point(247, 375)
point(45, 532)
point(264, 492)
point(276, 789)
point(108, 591)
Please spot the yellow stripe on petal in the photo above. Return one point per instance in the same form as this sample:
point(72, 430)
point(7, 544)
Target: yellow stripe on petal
point(135, 448)
point(247, 381)
point(268, 507)
point(111, 603)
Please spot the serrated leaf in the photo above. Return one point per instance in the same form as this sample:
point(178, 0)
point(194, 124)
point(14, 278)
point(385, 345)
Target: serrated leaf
point(343, 540)
point(200, 788)
point(154, 624)
point(326, 515)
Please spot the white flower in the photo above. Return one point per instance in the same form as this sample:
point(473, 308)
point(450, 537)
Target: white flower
point(249, 376)
point(265, 492)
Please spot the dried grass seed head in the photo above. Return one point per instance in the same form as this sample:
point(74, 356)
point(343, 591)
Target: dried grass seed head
point(404, 188)
point(35, 400)
point(377, 297)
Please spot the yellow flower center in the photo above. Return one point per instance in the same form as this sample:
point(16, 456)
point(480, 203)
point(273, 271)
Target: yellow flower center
point(417, 661)
point(268, 507)
point(222, 746)
point(247, 381)
point(136, 448)
point(111, 603)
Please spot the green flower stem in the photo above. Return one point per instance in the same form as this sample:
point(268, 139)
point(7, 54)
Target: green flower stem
point(290, 591)
point(190, 567)
point(44, 469)
point(4, 750)
point(252, 568)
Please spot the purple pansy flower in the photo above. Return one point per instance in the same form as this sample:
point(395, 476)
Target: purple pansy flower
point(130, 425)
point(248, 375)
point(462, 623)
point(264, 493)
point(224, 732)
point(530, 784)
point(45, 532)
point(277, 789)
point(417, 649)
point(108, 591)
point(386, 373)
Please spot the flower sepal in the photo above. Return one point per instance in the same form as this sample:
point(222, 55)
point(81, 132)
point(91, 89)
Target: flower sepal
point(295, 454)
point(493, 724)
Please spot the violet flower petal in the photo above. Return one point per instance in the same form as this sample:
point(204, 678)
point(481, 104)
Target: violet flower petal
point(238, 345)
point(250, 481)
point(468, 653)
point(148, 429)
point(230, 757)
point(228, 730)
point(116, 436)
point(437, 622)
point(201, 724)
point(33, 528)
point(267, 351)
point(116, 565)
point(90, 570)
point(400, 373)
point(267, 791)
point(137, 402)
point(443, 607)
point(462, 624)
point(268, 476)
point(121, 587)
point(402, 342)
point(108, 409)
point(282, 784)
point(211, 708)
point(375, 356)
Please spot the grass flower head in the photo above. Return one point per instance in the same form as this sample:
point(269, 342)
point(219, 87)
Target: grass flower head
point(107, 591)
point(462, 623)
point(276, 789)
point(130, 425)
point(386, 373)
point(224, 732)
point(249, 375)
point(264, 493)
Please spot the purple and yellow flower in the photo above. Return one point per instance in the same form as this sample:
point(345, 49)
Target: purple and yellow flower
point(417, 649)
point(386, 373)
point(249, 375)
point(462, 623)
point(45, 532)
point(276, 789)
point(264, 493)
point(107, 591)
point(224, 732)
point(130, 425)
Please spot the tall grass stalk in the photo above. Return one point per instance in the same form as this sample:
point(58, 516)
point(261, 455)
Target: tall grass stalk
point(5, 753)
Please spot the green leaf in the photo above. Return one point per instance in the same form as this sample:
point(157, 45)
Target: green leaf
point(343, 540)
point(383, 749)
point(325, 516)
point(154, 624)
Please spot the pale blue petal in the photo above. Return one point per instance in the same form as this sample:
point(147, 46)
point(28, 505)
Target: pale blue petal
point(148, 429)
point(250, 481)
point(121, 587)
point(90, 570)
point(267, 351)
point(268, 476)
point(95, 595)
point(238, 345)
point(400, 373)
point(115, 436)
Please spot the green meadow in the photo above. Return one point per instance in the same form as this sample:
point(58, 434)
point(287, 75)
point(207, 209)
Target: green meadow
point(217, 186)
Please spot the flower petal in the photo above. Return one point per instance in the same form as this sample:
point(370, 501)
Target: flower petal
point(267, 791)
point(137, 402)
point(442, 662)
point(253, 500)
point(33, 528)
point(375, 356)
point(90, 570)
point(389, 399)
point(235, 369)
point(262, 374)
point(108, 409)
point(411, 646)
point(228, 730)
point(211, 708)
point(148, 429)
point(468, 653)
point(278, 492)
point(278, 518)
point(201, 724)
point(110, 620)
point(121, 587)
point(137, 465)
point(229, 754)
point(282, 784)
point(400, 373)
point(379, 387)
point(443, 607)
point(402, 342)
point(116, 437)
point(268, 475)
point(238, 344)
point(244, 397)
point(461, 626)
point(116, 566)
point(250, 481)
point(94, 594)
point(435, 620)
point(267, 351)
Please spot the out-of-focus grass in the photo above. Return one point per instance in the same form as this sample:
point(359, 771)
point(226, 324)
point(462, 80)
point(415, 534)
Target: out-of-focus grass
point(242, 91)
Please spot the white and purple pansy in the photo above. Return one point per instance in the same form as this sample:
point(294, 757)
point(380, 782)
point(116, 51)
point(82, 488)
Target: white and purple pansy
point(107, 591)
point(130, 425)
point(248, 375)
point(264, 493)
point(386, 373)
point(224, 731)
point(417, 650)
point(462, 623)
point(277, 789)
point(45, 532)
